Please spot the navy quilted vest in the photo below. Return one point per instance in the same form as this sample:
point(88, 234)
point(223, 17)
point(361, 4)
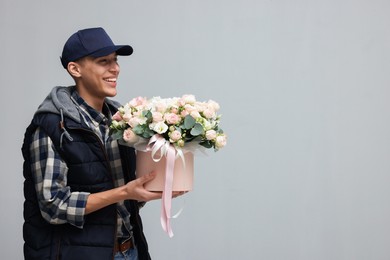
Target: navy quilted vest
point(89, 171)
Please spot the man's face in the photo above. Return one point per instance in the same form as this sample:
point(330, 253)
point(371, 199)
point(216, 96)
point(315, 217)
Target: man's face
point(98, 77)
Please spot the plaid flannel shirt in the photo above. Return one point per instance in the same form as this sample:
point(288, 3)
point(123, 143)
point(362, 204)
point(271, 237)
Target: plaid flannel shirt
point(58, 204)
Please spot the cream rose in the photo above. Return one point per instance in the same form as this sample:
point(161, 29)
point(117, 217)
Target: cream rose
point(189, 99)
point(220, 141)
point(134, 121)
point(211, 134)
point(209, 113)
point(195, 114)
point(213, 105)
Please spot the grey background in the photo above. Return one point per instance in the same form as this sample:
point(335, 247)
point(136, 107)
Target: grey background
point(303, 88)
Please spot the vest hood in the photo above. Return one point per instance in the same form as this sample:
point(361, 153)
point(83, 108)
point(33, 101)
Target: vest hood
point(59, 101)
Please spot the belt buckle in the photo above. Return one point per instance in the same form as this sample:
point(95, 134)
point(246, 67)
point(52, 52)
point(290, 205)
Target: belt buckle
point(121, 245)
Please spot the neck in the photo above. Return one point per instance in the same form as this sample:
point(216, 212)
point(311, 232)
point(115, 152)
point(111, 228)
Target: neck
point(93, 101)
point(95, 104)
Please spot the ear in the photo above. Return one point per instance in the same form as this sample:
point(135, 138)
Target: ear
point(74, 69)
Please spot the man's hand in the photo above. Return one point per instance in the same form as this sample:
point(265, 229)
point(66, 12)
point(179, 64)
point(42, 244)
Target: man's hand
point(133, 190)
point(136, 191)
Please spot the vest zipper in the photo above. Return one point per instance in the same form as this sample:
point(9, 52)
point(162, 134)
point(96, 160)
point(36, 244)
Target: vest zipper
point(109, 170)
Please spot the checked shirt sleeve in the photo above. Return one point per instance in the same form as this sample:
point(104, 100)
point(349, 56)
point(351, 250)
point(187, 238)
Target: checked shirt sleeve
point(57, 203)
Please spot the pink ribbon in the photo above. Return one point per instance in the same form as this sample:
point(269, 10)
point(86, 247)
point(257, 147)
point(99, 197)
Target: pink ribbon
point(158, 143)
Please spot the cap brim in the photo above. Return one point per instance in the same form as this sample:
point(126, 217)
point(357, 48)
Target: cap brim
point(122, 50)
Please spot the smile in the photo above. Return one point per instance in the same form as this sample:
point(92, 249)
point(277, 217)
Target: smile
point(110, 79)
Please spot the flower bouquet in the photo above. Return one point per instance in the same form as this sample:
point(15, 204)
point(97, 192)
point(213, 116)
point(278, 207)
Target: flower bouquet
point(167, 132)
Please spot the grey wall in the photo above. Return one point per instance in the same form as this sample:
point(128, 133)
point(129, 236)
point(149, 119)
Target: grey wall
point(303, 86)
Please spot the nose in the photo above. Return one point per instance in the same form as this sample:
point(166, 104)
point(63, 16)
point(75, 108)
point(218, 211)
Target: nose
point(114, 67)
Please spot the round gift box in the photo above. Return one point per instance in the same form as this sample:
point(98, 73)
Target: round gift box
point(183, 174)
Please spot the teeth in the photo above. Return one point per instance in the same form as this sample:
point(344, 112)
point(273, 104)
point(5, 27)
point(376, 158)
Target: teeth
point(111, 80)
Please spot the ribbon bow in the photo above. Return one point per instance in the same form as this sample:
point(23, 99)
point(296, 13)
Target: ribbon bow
point(160, 147)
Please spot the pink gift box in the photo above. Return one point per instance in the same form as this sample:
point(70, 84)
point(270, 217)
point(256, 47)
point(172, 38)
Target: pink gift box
point(183, 175)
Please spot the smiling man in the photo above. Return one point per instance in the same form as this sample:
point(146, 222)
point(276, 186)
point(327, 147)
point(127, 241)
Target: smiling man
point(81, 196)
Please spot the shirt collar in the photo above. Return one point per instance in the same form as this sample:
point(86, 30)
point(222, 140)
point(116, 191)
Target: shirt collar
point(90, 111)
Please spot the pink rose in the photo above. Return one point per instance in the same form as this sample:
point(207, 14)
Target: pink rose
point(157, 117)
point(160, 107)
point(129, 136)
point(117, 116)
point(138, 101)
point(172, 118)
point(184, 113)
point(174, 136)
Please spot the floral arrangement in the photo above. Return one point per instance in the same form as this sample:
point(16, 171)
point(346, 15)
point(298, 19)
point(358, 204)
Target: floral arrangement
point(168, 128)
point(181, 121)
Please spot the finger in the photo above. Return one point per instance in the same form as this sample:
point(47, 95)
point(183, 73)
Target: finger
point(151, 195)
point(178, 193)
point(147, 177)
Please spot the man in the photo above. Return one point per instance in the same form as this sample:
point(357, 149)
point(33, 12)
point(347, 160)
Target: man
point(81, 196)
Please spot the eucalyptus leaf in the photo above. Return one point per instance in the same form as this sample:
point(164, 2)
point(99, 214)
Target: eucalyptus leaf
point(197, 130)
point(189, 122)
point(148, 115)
point(147, 133)
point(138, 130)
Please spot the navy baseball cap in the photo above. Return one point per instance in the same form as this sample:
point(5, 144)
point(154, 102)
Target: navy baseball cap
point(93, 42)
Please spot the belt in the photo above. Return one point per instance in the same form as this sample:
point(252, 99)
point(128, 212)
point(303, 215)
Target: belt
point(124, 246)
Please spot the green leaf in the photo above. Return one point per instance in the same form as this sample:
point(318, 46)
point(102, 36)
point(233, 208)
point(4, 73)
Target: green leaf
point(197, 130)
point(118, 134)
point(189, 122)
point(148, 115)
point(138, 130)
point(147, 133)
point(206, 144)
